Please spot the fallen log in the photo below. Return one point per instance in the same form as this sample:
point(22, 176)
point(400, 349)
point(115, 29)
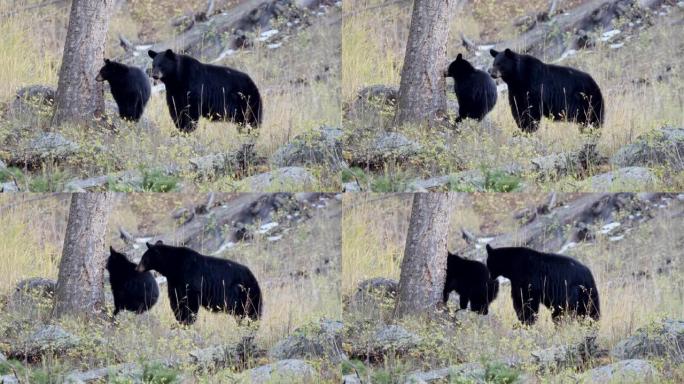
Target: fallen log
point(548, 39)
point(566, 222)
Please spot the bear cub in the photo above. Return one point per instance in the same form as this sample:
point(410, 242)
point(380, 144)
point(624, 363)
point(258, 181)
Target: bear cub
point(562, 284)
point(475, 89)
point(471, 280)
point(133, 291)
point(130, 88)
point(195, 280)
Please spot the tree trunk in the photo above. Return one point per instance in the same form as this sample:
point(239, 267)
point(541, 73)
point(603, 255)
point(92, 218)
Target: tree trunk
point(423, 269)
point(79, 96)
point(81, 270)
point(422, 92)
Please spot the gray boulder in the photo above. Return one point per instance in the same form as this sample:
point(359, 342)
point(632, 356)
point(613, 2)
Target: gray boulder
point(374, 104)
point(662, 339)
point(623, 372)
point(44, 146)
point(664, 146)
point(623, 179)
point(44, 339)
point(469, 373)
point(320, 146)
point(29, 98)
point(373, 293)
point(281, 179)
point(283, 371)
point(564, 356)
point(32, 292)
point(317, 340)
point(394, 338)
point(374, 149)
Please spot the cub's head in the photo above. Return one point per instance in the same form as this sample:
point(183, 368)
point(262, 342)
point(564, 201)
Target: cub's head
point(164, 64)
point(496, 262)
point(459, 67)
point(111, 70)
point(505, 63)
point(115, 260)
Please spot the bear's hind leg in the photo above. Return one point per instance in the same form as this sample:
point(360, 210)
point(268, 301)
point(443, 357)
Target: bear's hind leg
point(526, 306)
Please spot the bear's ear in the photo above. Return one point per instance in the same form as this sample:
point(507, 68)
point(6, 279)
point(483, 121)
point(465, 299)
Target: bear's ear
point(510, 54)
point(459, 57)
point(111, 250)
point(149, 246)
point(489, 248)
point(152, 53)
point(106, 61)
point(159, 242)
point(169, 53)
point(493, 52)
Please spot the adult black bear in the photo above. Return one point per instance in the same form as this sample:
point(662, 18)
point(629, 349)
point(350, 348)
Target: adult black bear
point(536, 89)
point(562, 284)
point(471, 280)
point(193, 279)
point(475, 89)
point(132, 290)
point(130, 88)
point(194, 89)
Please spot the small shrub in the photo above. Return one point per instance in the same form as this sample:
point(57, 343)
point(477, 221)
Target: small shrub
point(11, 173)
point(159, 374)
point(500, 181)
point(158, 181)
point(498, 373)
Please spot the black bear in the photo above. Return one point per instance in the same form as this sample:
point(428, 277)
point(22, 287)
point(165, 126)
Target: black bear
point(471, 280)
point(194, 89)
point(536, 89)
point(130, 88)
point(132, 290)
point(193, 279)
point(562, 284)
point(475, 89)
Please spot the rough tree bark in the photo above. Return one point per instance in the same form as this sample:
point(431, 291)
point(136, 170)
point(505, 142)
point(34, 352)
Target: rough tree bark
point(422, 91)
point(423, 268)
point(80, 282)
point(79, 96)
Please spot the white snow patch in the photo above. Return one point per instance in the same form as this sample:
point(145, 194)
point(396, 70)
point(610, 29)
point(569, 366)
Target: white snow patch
point(224, 54)
point(609, 34)
point(274, 238)
point(143, 47)
point(567, 246)
point(265, 35)
point(616, 46)
point(484, 240)
point(485, 47)
point(616, 238)
point(274, 46)
point(609, 227)
point(223, 247)
point(266, 227)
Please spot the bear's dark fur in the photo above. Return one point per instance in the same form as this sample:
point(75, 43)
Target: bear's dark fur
point(130, 88)
point(193, 279)
point(194, 89)
point(132, 290)
point(562, 284)
point(475, 89)
point(536, 89)
point(471, 280)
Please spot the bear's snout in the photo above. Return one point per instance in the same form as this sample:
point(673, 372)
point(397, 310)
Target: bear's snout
point(156, 74)
point(99, 77)
point(140, 268)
